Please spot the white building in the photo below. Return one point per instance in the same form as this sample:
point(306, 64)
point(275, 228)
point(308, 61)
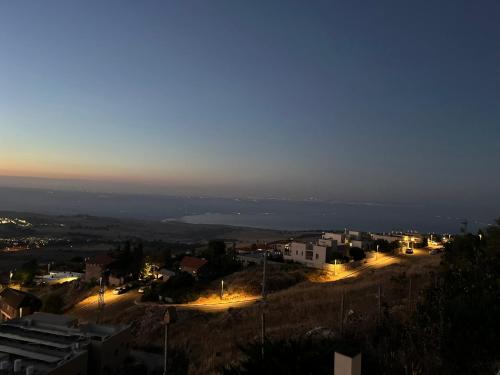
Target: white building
point(339, 237)
point(362, 244)
point(355, 234)
point(310, 254)
point(386, 237)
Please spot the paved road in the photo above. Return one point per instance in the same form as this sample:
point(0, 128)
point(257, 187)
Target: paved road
point(87, 310)
point(115, 304)
point(220, 306)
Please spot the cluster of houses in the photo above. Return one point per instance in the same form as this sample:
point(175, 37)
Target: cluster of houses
point(322, 250)
point(103, 266)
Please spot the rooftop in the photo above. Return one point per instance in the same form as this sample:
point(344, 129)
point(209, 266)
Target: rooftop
point(46, 341)
point(16, 298)
point(102, 260)
point(192, 262)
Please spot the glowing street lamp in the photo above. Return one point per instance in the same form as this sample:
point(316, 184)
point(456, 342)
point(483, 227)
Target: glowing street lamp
point(221, 289)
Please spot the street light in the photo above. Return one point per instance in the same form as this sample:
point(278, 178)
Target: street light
point(221, 289)
point(376, 254)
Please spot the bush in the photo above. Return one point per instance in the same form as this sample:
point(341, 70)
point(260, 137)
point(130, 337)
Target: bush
point(26, 273)
point(53, 303)
point(292, 356)
point(340, 258)
point(149, 295)
point(356, 253)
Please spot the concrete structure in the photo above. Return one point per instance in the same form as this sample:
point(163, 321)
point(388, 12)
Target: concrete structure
point(250, 258)
point(115, 280)
point(328, 242)
point(362, 244)
point(339, 237)
point(55, 344)
point(355, 234)
point(347, 364)
point(350, 238)
point(386, 237)
point(97, 267)
point(16, 304)
point(310, 254)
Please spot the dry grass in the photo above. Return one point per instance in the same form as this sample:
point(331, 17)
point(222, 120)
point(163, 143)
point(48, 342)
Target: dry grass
point(211, 339)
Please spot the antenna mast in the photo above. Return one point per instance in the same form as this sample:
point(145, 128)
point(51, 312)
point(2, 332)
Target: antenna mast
point(100, 301)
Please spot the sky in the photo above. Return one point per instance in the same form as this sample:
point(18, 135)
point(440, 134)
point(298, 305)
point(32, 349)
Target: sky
point(348, 100)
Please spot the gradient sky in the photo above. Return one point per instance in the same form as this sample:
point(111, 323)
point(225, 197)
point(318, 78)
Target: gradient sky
point(379, 100)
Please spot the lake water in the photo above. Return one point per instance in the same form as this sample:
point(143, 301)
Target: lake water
point(262, 213)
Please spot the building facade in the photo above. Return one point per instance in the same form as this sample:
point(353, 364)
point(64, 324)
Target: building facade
point(309, 254)
point(16, 304)
point(57, 345)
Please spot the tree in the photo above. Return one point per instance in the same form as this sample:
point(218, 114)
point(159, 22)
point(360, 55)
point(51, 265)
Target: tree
point(301, 355)
point(356, 253)
point(458, 319)
point(216, 248)
point(220, 262)
point(340, 258)
point(385, 246)
point(53, 303)
point(26, 273)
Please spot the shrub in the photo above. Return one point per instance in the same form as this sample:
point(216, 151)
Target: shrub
point(356, 253)
point(53, 303)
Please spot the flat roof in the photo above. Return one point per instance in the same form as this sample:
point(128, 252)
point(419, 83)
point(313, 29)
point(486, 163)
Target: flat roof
point(48, 340)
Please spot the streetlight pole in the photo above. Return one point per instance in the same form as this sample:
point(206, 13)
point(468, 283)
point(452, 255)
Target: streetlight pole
point(376, 254)
point(169, 317)
point(263, 312)
point(221, 289)
point(166, 350)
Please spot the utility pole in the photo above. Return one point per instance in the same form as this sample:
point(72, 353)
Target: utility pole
point(169, 317)
point(100, 301)
point(342, 314)
point(264, 302)
point(409, 296)
point(379, 304)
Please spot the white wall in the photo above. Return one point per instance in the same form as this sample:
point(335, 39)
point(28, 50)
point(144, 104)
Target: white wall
point(339, 237)
point(312, 255)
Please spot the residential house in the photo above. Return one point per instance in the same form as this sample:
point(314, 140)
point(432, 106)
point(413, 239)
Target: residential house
point(339, 237)
point(309, 254)
point(97, 267)
point(16, 304)
point(194, 266)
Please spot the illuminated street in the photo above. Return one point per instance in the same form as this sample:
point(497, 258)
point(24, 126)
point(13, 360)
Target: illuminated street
point(115, 304)
point(87, 309)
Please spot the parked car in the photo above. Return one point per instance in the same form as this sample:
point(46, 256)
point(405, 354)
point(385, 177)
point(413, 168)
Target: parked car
point(409, 251)
point(433, 252)
point(119, 290)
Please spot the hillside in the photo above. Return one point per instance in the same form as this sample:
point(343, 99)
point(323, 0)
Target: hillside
point(211, 339)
